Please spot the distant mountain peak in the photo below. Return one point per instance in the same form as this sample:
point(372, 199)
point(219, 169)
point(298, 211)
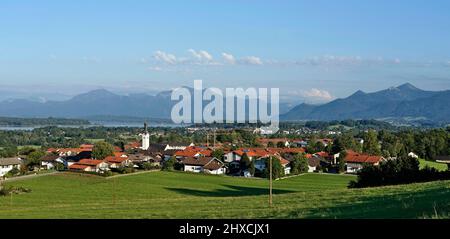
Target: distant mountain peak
point(358, 93)
point(407, 86)
point(95, 94)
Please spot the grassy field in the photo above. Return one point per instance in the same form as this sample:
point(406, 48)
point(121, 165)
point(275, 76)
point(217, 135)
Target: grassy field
point(182, 195)
point(438, 166)
point(93, 141)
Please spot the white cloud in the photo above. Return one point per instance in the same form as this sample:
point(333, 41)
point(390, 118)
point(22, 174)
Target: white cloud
point(252, 60)
point(165, 57)
point(201, 55)
point(200, 58)
point(229, 58)
point(316, 93)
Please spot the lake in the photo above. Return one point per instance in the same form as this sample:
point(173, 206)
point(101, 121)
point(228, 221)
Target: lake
point(94, 124)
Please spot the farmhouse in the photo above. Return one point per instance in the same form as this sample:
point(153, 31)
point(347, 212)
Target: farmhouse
point(209, 165)
point(252, 153)
point(8, 164)
point(356, 161)
point(117, 162)
point(90, 165)
point(50, 161)
point(260, 163)
point(193, 151)
point(313, 164)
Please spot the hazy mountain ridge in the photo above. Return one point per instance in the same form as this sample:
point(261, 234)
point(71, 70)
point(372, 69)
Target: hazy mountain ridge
point(101, 103)
point(396, 102)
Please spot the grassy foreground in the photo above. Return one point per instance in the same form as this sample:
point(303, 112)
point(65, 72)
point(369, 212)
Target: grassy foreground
point(182, 195)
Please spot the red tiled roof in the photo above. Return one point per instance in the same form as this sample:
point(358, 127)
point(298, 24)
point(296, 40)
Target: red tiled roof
point(112, 159)
point(90, 162)
point(254, 152)
point(133, 145)
point(193, 151)
point(355, 157)
point(78, 166)
point(292, 150)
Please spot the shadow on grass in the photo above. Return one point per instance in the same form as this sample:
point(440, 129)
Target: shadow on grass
point(423, 203)
point(229, 191)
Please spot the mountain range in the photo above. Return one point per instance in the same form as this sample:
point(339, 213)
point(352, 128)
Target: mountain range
point(405, 101)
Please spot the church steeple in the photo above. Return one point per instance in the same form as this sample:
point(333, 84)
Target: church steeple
point(145, 127)
point(145, 137)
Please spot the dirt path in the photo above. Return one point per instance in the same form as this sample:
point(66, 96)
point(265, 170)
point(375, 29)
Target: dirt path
point(19, 178)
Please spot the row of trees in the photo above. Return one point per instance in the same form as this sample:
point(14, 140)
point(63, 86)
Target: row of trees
point(403, 170)
point(426, 144)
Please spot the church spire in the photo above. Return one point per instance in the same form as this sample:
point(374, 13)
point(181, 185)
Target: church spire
point(145, 138)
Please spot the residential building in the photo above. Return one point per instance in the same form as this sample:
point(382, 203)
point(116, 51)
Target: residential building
point(8, 164)
point(209, 165)
point(355, 161)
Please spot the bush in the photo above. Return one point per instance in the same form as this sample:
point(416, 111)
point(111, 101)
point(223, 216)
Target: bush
point(5, 191)
point(13, 172)
point(125, 170)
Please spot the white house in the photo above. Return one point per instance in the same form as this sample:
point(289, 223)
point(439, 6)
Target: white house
point(209, 165)
point(260, 164)
point(50, 161)
point(355, 161)
point(7, 164)
point(90, 165)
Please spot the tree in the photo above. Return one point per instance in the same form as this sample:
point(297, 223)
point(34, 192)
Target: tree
point(218, 153)
point(299, 164)
point(277, 168)
point(341, 161)
point(102, 150)
point(34, 159)
point(169, 165)
point(9, 151)
point(371, 145)
point(270, 145)
point(245, 162)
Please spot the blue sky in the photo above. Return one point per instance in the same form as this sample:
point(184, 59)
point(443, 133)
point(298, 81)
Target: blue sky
point(311, 50)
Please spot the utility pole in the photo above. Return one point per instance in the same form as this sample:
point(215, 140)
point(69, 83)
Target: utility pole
point(270, 181)
point(207, 139)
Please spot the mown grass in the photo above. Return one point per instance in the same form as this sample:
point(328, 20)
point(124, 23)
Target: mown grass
point(183, 195)
point(431, 164)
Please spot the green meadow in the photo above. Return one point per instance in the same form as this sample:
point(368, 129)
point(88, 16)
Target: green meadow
point(185, 195)
point(431, 164)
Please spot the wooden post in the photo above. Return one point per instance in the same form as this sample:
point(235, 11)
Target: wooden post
point(270, 181)
point(114, 191)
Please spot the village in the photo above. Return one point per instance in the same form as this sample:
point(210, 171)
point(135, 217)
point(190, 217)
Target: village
point(290, 157)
